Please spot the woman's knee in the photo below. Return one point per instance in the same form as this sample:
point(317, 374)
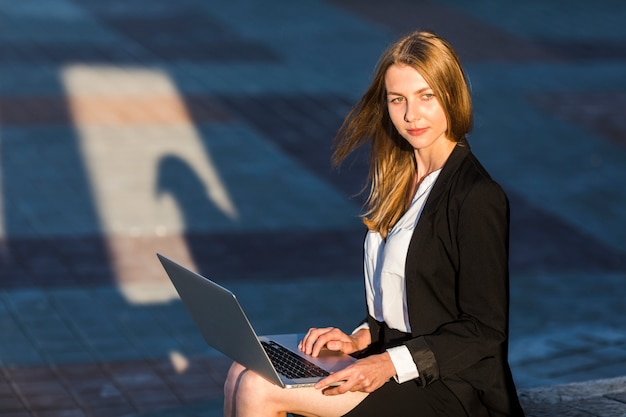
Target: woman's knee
point(245, 385)
point(231, 378)
point(252, 384)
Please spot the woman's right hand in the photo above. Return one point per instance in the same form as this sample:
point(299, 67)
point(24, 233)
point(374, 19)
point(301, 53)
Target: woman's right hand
point(332, 338)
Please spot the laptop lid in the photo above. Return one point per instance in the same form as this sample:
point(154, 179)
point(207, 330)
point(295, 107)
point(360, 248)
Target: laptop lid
point(224, 326)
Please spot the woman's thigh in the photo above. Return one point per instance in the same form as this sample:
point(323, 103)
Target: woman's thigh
point(409, 399)
point(245, 391)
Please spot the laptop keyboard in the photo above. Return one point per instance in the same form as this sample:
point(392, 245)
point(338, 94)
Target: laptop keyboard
point(291, 365)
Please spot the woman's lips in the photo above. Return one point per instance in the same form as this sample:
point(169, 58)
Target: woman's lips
point(416, 132)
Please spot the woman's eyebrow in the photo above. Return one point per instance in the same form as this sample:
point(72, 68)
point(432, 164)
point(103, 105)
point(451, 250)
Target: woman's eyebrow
point(421, 90)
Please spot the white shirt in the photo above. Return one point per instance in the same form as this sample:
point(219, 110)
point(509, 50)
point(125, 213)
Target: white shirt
point(385, 288)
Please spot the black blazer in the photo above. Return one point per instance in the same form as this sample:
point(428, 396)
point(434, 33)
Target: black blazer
point(457, 288)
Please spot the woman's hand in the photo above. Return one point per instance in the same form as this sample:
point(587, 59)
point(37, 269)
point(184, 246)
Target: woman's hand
point(366, 375)
point(334, 339)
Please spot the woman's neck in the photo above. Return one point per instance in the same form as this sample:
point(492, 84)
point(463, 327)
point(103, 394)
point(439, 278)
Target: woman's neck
point(432, 159)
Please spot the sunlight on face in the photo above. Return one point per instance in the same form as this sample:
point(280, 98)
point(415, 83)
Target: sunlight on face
point(413, 107)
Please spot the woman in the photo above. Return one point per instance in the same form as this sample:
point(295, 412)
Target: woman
point(436, 260)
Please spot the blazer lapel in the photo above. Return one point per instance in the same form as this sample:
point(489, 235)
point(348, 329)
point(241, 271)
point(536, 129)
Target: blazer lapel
point(445, 176)
point(440, 189)
point(422, 232)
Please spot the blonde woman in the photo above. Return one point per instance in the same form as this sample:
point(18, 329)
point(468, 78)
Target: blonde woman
point(436, 260)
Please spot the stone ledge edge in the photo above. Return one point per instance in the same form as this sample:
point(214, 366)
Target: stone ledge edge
point(576, 391)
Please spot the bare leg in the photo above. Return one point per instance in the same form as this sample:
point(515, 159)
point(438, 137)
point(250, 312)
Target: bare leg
point(248, 394)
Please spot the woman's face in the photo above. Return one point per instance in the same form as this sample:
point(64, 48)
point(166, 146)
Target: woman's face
point(414, 110)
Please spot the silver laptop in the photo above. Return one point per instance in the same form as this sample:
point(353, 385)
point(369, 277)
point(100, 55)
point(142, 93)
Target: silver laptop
point(225, 327)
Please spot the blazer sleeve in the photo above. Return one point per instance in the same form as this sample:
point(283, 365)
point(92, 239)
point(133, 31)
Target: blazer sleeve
point(473, 233)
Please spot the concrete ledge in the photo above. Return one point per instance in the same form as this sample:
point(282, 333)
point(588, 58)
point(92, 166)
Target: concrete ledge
point(602, 398)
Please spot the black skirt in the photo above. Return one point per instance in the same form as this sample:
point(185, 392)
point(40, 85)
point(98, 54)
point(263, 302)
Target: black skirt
point(408, 399)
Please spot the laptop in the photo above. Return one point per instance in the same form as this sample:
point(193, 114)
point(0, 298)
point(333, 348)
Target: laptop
point(225, 327)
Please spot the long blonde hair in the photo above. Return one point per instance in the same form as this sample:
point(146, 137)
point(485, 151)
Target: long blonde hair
point(392, 166)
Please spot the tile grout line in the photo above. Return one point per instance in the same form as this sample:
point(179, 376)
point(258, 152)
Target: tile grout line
point(16, 390)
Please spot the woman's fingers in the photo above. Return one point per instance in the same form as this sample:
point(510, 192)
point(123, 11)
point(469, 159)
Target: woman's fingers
point(366, 375)
point(306, 344)
point(318, 338)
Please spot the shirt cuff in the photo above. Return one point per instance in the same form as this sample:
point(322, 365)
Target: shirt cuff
point(402, 359)
point(365, 325)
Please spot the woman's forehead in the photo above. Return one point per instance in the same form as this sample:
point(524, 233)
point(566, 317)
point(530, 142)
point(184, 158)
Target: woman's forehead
point(404, 77)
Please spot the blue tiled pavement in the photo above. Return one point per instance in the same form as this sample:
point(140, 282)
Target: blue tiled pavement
point(202, 130)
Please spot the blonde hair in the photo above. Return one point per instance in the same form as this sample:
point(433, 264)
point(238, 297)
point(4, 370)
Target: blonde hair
point(392, 163)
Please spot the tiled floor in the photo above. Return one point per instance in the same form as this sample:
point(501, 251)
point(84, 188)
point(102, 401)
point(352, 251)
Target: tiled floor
point(203, 131)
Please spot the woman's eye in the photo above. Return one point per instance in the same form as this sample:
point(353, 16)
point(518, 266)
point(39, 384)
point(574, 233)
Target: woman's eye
point(397, 100)
point(428, 96)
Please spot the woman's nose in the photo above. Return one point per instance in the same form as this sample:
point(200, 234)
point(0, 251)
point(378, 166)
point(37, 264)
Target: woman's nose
point(412, 113)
